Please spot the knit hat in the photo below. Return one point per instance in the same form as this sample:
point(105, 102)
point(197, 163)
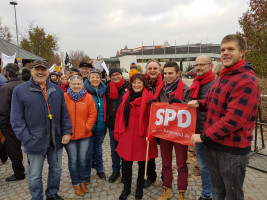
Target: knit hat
point(12, 70)
point(85, 64)
point(133, 65)
point(113, 70)
point(53, 73)
point(94, 71)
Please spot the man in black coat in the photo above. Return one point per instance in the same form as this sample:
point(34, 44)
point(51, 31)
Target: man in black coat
point(13, 145)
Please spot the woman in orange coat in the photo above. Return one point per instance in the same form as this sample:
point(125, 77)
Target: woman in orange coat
point(83, 115)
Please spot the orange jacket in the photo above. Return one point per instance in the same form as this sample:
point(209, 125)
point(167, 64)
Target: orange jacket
point(83, 115)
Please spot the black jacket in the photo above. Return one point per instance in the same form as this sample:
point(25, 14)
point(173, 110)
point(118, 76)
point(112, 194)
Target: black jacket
point(113, 104)
point(5, 101)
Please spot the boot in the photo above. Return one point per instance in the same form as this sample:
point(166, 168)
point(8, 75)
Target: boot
point(181, 195)
point(78, 190)
point(84, 188)
point(166, 194)
point(138, 193)
point(124, 194)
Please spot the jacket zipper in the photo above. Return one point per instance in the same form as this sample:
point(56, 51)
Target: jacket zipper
point(74, 121)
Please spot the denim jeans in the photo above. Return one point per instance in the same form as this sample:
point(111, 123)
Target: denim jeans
point(204, 170)
point(77, 150)
point(36, 162)
point(227, 173)
point(95, 153)
point(116, 160)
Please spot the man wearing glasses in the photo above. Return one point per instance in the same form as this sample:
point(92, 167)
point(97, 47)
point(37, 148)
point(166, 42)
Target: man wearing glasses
point(200, 87)
point(115, 90)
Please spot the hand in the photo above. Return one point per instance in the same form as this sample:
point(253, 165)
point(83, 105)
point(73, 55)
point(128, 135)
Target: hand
point(66, 139)
point(195, 138)
point(193, 103)
point(174, 100)
point(151, 101)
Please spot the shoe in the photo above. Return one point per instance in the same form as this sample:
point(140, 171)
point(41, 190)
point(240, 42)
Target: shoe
point(87, 180)
point(14, 178)
point(139, 193)
point(124, 194)
point(54, 197)
point(166, 194)
point(201, 198)
point(84, 188)
point(101, 175)
point(78, 190)
point(181, 195)
point(148, 183)
point(114, 176)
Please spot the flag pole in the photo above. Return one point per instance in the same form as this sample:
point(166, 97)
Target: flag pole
point(147, 150)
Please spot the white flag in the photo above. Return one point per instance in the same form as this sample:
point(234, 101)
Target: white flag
point(7, 59)
point(105, 67)
point(52, 68)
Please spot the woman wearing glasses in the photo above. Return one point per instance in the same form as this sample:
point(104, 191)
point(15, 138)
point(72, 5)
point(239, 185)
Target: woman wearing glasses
point(83, 115)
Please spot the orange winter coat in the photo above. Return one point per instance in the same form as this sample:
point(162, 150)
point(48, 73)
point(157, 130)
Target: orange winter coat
point(83, 115)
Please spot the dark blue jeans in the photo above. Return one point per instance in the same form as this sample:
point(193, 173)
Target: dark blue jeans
point(227, 173)
point(116, 160)
point(95, 152)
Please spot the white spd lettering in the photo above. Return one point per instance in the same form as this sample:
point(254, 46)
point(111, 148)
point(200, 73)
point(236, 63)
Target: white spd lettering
point(170, 115)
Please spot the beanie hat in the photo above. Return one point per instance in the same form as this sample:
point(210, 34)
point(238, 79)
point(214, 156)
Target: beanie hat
point(85, 64)
point(113, 70)
point(133, 65)
point(53, 73)
point(12, 70)
point(95, 71)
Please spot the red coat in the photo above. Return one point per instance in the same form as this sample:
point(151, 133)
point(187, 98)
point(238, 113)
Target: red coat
point(131, 145)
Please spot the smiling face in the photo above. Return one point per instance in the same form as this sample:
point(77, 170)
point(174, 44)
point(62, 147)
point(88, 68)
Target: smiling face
point(84, 71)
point(170, 74)
point(39, 75)
point(137, 85)
point(231, 53)
point(95, 79)
point(116, 77)
point(76, 85)
point(153, 70)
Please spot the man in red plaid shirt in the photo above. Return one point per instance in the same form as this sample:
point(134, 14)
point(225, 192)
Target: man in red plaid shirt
point(231, 109)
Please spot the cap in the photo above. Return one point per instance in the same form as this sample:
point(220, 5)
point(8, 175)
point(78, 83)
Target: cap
point(40, 63)
point(94, 71)
point(85, 64)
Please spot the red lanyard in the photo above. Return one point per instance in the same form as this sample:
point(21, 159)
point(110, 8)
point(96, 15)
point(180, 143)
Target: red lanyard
point(48, 108)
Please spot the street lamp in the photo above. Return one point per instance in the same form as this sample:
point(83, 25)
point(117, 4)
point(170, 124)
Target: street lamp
point(14, 3)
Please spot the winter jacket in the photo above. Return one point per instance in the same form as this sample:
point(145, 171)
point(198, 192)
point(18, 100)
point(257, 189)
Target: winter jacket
point(29, 117)
point(113, 104)
point(100, 103)
point(5, 101)
point(82, 114)
point(2, 80)
point(231, 105)
point(132, 146)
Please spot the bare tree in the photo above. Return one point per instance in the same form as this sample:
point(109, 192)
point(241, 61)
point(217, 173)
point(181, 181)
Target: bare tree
point(5, 33)
point(78, 56)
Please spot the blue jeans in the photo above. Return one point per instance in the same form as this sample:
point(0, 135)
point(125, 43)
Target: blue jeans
point(95, 153)
point(204, 170)
point(227, 173)
point(77, 150)
point(116, 160)
point(36, 162)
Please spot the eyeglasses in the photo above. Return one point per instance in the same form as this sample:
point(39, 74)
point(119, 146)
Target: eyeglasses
point(76, 77)
point(201, 64)
point(113, 75)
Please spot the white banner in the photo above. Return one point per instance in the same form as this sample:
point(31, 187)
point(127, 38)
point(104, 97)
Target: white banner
point(105, 67)
point(7, 59)
point(52, 68)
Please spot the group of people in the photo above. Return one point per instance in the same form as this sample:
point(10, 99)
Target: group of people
point(44, 117)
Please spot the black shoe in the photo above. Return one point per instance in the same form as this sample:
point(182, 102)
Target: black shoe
point(139, 193)
point(200, 198)
point(101, 175)
point(87, 180)
point(14, 178)
point(124, 194)
point(148, 183)
point(54, 197)
point(114, 176)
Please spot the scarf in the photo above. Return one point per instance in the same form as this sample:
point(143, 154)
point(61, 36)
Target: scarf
point(178, 93)
point(120, 124)
point(100, 91)
point(64, 86)
point(78, 95)
point(153, 85)
point(239, 64)
point(113, 88)
point(201, 80)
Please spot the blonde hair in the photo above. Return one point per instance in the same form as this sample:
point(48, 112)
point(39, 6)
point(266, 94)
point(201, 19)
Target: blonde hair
point(64, 77)
point(217, 69)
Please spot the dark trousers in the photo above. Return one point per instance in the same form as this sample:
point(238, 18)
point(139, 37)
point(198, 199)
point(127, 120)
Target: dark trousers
point(151, 170)
point(227, 172)
point(127, 174)
point(14, 152)
point(3, 153)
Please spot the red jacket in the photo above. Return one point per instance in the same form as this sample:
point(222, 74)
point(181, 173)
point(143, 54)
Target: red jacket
point(83, 115)
point(131, 145)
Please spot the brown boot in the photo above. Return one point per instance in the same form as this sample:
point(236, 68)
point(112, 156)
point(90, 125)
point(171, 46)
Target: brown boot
point(84, 188)
point(181, 195)
point(78, 190)
point(166, 194)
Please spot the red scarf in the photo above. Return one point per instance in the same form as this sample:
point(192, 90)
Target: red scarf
point(239, 64)
point(119, 124)
point(201, 80)
point(113, 88)
point(178, 93)
point(63, 86)
point(159, 79)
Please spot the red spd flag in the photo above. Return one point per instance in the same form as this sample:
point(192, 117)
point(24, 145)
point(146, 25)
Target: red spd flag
point(174, 122)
